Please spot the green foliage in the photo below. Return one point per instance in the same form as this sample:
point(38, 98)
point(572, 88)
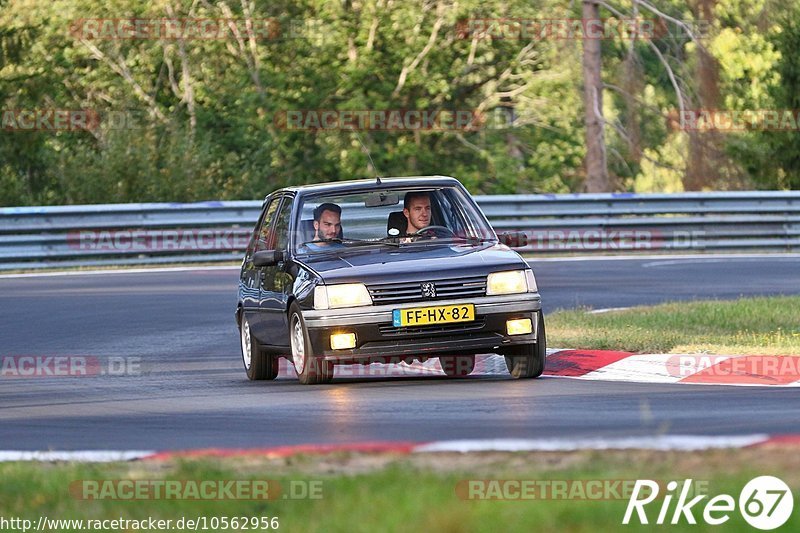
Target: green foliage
point(773, 157)
point(784, 146)
point(202, 116)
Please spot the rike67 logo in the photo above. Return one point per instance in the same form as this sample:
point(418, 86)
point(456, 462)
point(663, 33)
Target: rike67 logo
point(766, 502)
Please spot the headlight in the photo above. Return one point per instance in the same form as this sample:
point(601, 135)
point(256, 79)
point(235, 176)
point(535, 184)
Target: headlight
point(344, 295)
point(509, 282)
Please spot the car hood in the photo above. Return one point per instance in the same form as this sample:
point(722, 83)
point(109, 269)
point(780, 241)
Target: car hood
point(413, 263)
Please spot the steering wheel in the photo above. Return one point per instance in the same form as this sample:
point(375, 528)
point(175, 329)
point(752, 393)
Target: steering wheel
point(434, 229)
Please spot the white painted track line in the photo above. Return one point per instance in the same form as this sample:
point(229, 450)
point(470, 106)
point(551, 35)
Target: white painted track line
point(80, 456)
point(659, 442)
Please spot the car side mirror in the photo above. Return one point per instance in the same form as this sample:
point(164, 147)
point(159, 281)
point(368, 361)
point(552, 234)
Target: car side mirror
point(513, 239)
point(266, 258)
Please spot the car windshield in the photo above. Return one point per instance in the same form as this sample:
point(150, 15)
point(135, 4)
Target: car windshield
point(398, 217)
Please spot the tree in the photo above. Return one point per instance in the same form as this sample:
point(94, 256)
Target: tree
point(784, 146)
point(595, 162)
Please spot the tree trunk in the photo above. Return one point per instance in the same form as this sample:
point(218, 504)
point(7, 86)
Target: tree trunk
point(595, 161)
point(633, 86)
point(706, 155)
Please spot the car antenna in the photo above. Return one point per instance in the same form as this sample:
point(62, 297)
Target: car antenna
point(377, 178)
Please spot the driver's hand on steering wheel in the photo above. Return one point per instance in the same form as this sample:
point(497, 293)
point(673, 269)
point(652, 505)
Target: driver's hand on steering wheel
point(433, 229)
point(423, 233)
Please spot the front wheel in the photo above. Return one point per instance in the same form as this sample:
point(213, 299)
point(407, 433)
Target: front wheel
point(258, 364)
point(310, 369)
point(457, 366)
point(527, 360)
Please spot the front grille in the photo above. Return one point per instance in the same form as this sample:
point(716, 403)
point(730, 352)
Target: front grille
point(397, 293)
point(388, 330)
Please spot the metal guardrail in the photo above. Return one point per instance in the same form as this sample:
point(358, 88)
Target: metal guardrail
point(95, 235)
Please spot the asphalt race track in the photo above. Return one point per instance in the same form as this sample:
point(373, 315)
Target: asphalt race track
point(192, 391)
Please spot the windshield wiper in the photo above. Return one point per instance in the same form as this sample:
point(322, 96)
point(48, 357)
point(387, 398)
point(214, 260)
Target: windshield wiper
point(315, 241)
point(391, 240)
point(350, 241)
point(366, 241)
point(449, 239)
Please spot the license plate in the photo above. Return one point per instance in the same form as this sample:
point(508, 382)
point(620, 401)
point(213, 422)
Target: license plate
point(441, 314)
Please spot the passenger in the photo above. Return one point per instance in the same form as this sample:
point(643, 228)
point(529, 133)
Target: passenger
point(327, 222)
point(327, 225)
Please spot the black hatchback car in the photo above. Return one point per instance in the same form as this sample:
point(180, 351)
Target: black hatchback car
point(394, 269)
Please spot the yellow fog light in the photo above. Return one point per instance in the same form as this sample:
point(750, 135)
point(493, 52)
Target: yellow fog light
point(519, 326)
point(344, 341)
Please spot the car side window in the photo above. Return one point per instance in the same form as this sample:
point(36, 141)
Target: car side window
point(265, 238)
point(251, 243)
point(282, 225)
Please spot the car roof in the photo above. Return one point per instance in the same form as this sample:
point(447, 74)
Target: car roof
point(366, 184)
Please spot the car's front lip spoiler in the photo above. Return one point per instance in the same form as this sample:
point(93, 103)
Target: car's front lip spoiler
point(432, 347)
point(379, 314)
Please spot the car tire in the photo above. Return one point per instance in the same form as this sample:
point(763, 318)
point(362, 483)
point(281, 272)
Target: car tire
point(457, 366)
point(310, 369)
point(527, 360)
point(258, 364)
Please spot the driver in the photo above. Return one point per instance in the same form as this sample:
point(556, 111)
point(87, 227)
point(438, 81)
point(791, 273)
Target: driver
point(417, 209)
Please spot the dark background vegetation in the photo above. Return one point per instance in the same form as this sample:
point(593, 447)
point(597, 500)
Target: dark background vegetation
point(202, 112)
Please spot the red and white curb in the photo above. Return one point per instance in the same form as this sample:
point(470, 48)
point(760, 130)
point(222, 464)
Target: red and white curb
point(656, 442)
point(607, 365)
point(704, 369)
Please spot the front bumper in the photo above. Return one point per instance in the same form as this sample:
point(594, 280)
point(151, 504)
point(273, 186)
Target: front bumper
point(377, 338)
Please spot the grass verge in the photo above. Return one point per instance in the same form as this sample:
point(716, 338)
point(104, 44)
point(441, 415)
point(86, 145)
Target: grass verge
point(405, 493)
point(752, 326)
